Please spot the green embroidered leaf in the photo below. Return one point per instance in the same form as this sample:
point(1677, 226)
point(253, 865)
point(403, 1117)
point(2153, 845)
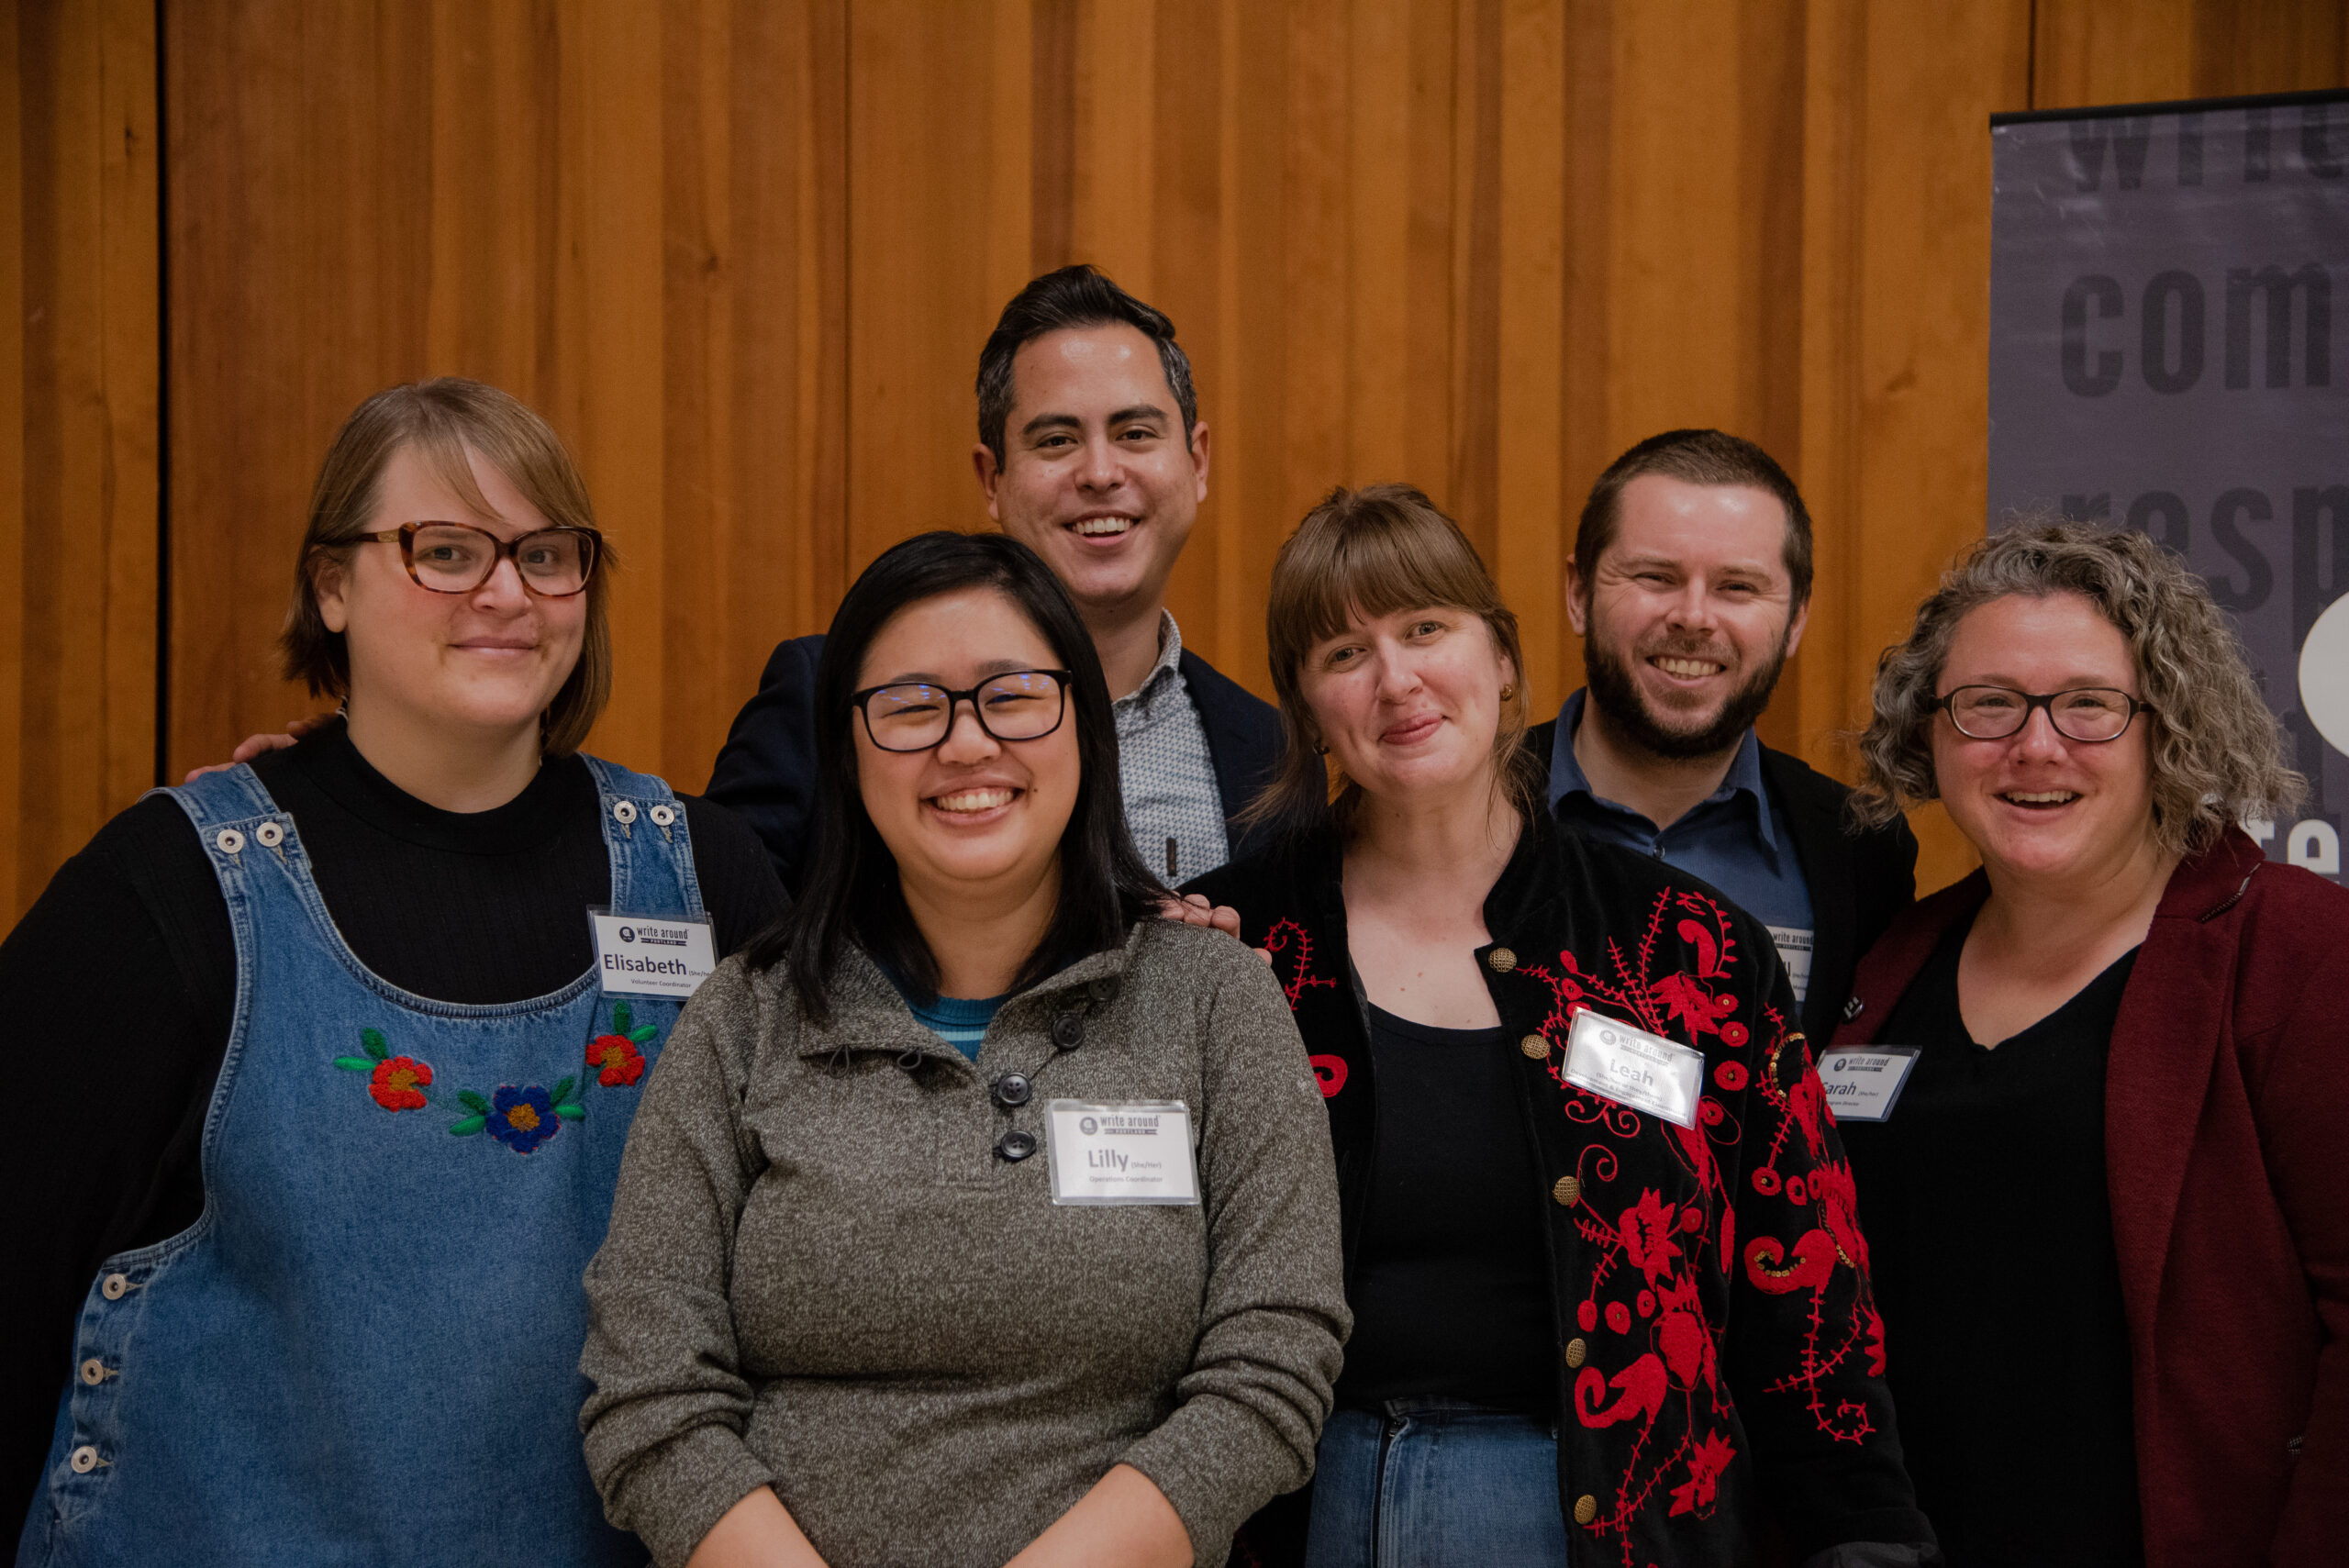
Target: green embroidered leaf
point(373, 1041)
point(639, 1036)
point(623, 1018)
point(561, 1094)
point(469, 1126)
point(354, 1063)
point(571, 1110)
point(472, 1102)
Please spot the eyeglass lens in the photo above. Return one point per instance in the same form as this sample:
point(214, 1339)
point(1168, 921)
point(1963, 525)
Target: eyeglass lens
point(1993, 713)
point(454, 559)
point(913, 717)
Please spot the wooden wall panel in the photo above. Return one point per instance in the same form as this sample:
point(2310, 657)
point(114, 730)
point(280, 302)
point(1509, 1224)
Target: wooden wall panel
point(743, 253)
point(633, 216)
point(79, 429)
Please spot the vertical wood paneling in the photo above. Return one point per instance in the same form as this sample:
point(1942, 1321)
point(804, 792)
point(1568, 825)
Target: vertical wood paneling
point(743, 254)
point(79, 429)
point(633, 216)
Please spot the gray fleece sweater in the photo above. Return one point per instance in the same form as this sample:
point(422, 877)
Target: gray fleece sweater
point(823, 1274)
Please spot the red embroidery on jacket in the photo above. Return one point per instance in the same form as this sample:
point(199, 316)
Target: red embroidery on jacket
point(1658, 1258)
point(1287, 937)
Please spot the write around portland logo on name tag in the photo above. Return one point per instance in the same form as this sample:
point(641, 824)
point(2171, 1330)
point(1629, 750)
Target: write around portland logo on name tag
point(651, 955)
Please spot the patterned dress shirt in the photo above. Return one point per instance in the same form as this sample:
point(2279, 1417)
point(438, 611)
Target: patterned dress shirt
point(1173, 807)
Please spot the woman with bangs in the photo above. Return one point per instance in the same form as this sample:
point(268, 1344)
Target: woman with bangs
point(2108, 1204)
point(1609, 1301)
point(326, 1115)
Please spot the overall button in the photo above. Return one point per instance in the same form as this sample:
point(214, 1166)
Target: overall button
point(623, 812)
point(115, 1286)
point(1536, 1047)
point(1569, 1192)
point(1016, 1146)
point(1577, 1352)
point(94, 1372)
point(663, 816)
point(1585, 1508)
point(1012, 1089)
point(85, 1459)
point(1068, 1030)
point(269, 835)
point(230, 841)
point(1502, 960)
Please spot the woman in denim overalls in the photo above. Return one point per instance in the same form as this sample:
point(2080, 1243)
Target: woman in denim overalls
point(366, 1351)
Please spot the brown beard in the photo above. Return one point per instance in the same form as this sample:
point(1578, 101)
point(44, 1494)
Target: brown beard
point(1617, 694)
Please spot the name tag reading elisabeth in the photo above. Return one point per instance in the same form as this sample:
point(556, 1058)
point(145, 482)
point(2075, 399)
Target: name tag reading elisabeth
point(1131, 1153)
point(1862, 1082)
point(1635, 1068)
point(642, 955)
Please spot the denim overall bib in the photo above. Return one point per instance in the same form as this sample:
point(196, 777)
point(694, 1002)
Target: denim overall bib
point(366, 1350)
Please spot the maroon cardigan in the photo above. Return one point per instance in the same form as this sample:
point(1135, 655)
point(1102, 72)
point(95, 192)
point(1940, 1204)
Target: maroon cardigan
point(2227, 1153)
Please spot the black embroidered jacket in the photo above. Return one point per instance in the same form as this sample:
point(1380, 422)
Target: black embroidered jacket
point(1720, 1358)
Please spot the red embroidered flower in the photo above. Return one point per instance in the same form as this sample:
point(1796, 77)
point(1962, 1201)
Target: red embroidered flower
point(398, 1081)
point(621, 1063)
point(1731, 1075)
point(1647, 1231)
point(1704, 1466)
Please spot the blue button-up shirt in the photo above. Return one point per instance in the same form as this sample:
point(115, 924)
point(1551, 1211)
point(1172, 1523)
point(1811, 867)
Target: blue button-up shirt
point(1736, 838)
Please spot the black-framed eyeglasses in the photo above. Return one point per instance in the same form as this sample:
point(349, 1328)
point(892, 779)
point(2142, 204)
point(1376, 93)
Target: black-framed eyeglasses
point(457, 558)
point(914, 716)
point(2091, 715)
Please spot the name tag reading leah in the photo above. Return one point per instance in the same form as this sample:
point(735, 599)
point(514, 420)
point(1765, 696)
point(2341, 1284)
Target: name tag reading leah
point(1633, 1067)
point(1862, 1082)
point(1139, 1151)
point(643, 955)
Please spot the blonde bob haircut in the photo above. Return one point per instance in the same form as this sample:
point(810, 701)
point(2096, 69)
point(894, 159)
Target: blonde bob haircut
point(1366, 553)
point(443, 421)
point(2216, 750)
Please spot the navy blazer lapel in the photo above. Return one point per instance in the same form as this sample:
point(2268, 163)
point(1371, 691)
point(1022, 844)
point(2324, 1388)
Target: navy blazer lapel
point(1824, 854)
point(1243, 735)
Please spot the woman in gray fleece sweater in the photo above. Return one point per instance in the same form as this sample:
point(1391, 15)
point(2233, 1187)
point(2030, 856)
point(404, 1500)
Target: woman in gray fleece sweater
point(976, 1216)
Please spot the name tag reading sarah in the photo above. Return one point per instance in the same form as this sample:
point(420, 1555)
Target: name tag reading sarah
point(1862, 1082)
point(1633, 1067)
point(644, 955)
point(1136, 1152)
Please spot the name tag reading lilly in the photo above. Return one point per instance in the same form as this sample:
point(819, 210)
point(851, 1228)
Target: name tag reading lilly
point(1862, 1080)
point(640, 955)
point(1135, 1153)
point(1633, 1067)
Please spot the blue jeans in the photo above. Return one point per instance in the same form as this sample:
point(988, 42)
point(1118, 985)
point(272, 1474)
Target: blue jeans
point(1435, 1483)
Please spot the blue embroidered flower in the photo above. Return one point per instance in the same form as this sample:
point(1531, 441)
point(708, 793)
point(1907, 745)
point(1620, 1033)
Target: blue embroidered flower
point(522, 1118)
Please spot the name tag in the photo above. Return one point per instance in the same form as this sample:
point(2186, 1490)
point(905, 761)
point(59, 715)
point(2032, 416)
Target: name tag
point(1862, 1082)
point(1794, 946)
point(1135, 1153)
point(643, 955)
point(1633, 1067)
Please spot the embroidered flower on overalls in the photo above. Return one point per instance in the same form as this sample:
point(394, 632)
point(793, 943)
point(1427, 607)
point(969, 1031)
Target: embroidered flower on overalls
point(617, 1052)
point(523, 1118)
point(398, 1083)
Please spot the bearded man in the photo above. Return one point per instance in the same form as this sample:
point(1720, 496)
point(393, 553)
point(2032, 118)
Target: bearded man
point(1690, 585)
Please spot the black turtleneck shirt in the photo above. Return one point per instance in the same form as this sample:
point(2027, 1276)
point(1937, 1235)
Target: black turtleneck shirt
point(123, 979)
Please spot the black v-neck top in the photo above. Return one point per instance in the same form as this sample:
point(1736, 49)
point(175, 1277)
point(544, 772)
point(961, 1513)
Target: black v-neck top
point(1986, 1208)
point(1451, 1291)
point(123, 975)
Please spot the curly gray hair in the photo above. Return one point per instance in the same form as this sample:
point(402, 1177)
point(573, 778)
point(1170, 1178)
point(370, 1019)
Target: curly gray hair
point(2217, 750)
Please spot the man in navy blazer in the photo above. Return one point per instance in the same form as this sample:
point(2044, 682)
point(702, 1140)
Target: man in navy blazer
point(1092, 453)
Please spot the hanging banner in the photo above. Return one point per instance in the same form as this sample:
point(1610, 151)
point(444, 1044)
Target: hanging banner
point(2165, 355)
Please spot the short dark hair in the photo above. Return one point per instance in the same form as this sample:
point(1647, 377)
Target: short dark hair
point(1060, 300)
point(852, 889)
point(1694, 457)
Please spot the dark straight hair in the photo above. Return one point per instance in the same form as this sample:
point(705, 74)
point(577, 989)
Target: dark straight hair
point(1059, 301)
point(853, 892)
